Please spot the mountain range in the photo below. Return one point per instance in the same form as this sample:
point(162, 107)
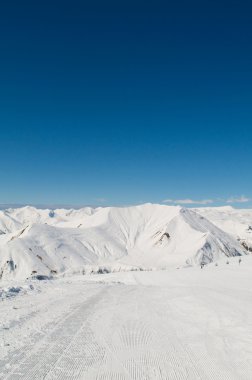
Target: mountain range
point(42, 242)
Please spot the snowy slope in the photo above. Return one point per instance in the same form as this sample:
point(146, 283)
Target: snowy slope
point(236, 222)
point(148, 236)
point(187, 324)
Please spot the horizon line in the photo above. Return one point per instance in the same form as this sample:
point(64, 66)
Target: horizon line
point(66, 206)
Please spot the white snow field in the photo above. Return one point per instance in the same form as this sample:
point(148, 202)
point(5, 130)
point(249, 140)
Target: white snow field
point(51, 243)
point(188, 323)
point(156, 315)
point(236, 222)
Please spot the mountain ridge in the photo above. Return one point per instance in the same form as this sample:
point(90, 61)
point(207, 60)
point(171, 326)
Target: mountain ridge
point(149, 236)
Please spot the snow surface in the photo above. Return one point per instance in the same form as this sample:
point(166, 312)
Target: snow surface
point(176, 324)
point(236, 222)
point(65, 242)
point(120, 316)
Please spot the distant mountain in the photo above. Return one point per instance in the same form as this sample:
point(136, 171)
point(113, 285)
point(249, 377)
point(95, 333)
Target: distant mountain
point(236, 222)
point(52, 242)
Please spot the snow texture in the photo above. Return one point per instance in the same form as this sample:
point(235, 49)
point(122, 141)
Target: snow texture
point(176, 324)
point(60, 242)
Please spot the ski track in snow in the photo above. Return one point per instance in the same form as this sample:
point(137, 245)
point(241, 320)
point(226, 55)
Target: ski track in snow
point(177, 331)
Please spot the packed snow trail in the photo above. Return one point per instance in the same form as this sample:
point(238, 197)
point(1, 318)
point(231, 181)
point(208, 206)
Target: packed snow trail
point(112, 335)
point(181, 325)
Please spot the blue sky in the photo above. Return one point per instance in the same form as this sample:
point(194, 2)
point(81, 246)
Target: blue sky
point(126, 103)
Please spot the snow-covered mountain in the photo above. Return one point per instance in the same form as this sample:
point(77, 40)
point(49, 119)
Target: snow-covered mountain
point(51, 242)
point(236, 222)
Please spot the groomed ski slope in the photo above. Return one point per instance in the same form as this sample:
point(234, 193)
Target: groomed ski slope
point(181, 324)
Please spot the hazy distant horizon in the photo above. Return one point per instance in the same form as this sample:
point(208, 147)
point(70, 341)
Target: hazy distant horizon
point(77, 207)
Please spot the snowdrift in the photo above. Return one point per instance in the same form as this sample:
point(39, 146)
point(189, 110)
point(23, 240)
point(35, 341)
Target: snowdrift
point(55, 242)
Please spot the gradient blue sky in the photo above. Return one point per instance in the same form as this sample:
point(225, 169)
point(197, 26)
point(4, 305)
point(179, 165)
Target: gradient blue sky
point(126, 102)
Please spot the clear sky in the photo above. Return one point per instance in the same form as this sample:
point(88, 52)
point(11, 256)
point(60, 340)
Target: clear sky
point(126, 102)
